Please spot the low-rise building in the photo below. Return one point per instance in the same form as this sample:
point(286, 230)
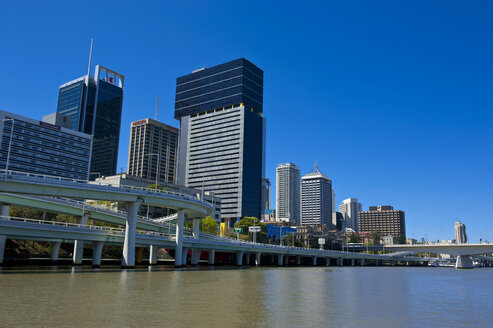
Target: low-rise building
point(384, 219)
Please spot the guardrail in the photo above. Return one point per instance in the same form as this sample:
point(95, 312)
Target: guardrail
point(51, 178)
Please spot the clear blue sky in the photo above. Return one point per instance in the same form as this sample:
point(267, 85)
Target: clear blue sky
point(393, 99)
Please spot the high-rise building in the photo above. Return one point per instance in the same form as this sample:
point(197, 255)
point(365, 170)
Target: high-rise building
point(33, 146)
point(384, 219)
point(221, 135)
point(95, 105)
point(316, 199)
point(350, 209)
point(288, 193)
point(153, 150)
point(265, 195)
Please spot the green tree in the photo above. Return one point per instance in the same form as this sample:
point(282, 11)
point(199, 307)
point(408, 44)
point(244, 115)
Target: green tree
point(375, 237)
point(206, 224)
point(290, 240)
point(353, 239)
point(153, 187)
point(250, 221)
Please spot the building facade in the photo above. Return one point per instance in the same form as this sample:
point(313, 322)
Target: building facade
point(153, 150)
point(350, 209)
point(95, 105)
point(221, 135)
point(384, 219)
point(316, 199)
point(265, 195)
point(43, 148)
point(288, 202)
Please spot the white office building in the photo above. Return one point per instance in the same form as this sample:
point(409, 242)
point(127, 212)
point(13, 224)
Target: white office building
point(316, 199)
point(350, 209)
point(288, 193)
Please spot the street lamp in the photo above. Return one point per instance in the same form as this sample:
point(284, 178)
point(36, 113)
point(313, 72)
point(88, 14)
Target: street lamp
point(10, 143)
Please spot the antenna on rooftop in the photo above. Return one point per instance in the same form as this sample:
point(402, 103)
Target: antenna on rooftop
point(90, 57)
point(315, 167)
point(157, 102)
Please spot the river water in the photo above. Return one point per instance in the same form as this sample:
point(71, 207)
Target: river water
point(160, 296)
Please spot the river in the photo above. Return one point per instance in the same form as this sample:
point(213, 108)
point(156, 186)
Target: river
point(161, 296)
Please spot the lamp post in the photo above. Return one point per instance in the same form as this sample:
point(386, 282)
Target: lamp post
point(10, 143)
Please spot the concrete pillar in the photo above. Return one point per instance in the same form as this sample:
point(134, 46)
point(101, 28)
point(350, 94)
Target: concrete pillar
point(353, 262)
point(79, 244)
point(55, 248)
point(298, 260)
point(97, 251)
point(286, 259)
point(314, 258)
point(5, 210)
point(195, 256)
point(3, 238)
point(139, 254)
point(247, 258)
point(272, 259)
point(180, 221)
point(327, 261)
point(184, 256)
point(257, 258)
point(340, 261)
point(211, 256)
point(153, 250)
point(463, 262)
point(239, 258)
point(128, 260)
point(280, 258)
point(392, 262)
point(362, 262)
point(196, 228)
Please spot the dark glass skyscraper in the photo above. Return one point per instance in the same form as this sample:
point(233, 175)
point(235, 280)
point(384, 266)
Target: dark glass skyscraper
point(221, 136)
point(95, 105)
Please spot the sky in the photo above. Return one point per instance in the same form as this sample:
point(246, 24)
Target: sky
point(392, 99)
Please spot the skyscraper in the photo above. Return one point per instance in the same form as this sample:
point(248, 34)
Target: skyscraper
point(316, 199)
point(95, 105)
point(384, 219)
point(221, 134)
point(350, 209)
point(288, 193)
point(151, 143)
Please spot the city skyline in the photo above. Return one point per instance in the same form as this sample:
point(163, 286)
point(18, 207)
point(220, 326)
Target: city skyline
point(430, 107)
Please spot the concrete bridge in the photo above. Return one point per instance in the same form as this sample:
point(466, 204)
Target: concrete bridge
point(462, 251)
point(138, 231)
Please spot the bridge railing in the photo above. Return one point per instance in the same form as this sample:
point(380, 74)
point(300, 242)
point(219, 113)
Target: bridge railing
point(142, 190)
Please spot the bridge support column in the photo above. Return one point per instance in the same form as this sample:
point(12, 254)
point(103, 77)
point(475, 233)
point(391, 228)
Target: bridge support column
point(55, 248)
point(353, 262)
point(79, 244)
point(180, 221)
point(327, 261)
point(286, 259)
point(139, 254)
point(247, 258)
point(298, 260)
point(97, 251)
point(3, 238)
point(211, 256)
point(257, 258)
point(314, 258)
point(273, 259)
point(392, 262)
point(280, 259)
point(340, 261)
point(239, 258)
point(195, 256)
point(128, 260)
point(5, 211)
point(463, 262)
point(153, 254)
point(196, 228)
point(184, 256)
point(362, 262)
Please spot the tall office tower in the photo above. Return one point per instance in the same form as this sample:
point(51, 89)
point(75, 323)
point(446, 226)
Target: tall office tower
point(384, 219)
point(34, 146)
point(288, 193)
point(152, 151)
point(316, 199)
point(221, 135)
point(350, 209)
point(95, 105)
point(265, 195)
point(333, 201)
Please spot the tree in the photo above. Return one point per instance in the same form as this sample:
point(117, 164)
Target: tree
point(153, 187)
point(353, 239)
point(206, 224)
point(375, 237)
point(290, 240)
point(250, 221)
